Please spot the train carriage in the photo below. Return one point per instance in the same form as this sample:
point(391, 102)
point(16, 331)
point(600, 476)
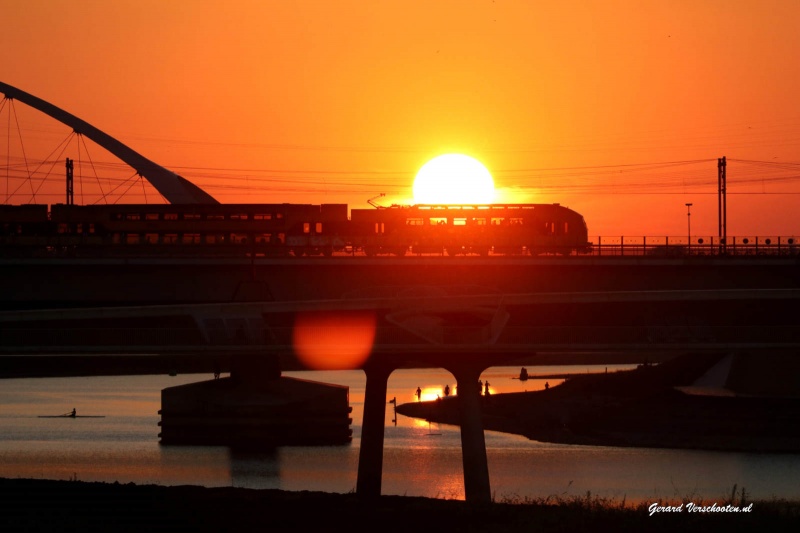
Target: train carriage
point(533, 229)
point(320, 231)
point(290, 229)
point(24, 230)
point(191, 229)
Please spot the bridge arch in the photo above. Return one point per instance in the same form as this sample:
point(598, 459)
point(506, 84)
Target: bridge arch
point(176, 189)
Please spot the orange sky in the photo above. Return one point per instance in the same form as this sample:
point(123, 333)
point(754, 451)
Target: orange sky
point(274, 101)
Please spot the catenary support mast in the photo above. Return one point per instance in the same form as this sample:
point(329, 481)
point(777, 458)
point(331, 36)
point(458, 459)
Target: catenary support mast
point(722, 201)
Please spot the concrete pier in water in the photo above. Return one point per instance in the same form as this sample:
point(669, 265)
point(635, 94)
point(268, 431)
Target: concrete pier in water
point(255, 407)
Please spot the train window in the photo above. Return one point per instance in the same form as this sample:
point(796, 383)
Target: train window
point(132, 238)
point(151, 238)
point(215, 217)
point(318, 228)
point(238, 216)
point(380, 227)
point(262, 216)
point(515, 221)
point(63, 227)
point(170, 216)
point(459, 221)
point(91, 227)
point(151, 216)
point(170, 238)
point(566, 228)
point(132, 216)
point(306, 227)
point(438, 221)
point(497, 221)
point(415, 222)
point(191, 216)
point(191, 238)
point(279, 215)
point(282, 238)
point(479, 221)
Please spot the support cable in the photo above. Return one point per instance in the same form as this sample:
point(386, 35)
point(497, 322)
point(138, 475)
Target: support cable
point(63, 145)
point(80, 167)
point(8, 150)
point(133, 182)
point(143, 188)
point(91, 163)
point(22, 147)
point(122, 182)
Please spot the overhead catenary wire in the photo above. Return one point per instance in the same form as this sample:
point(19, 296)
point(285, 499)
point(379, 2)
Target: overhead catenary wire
point(651, 178)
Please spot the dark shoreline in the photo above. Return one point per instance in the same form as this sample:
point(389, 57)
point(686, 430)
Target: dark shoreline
point(41, 505)
point(637, 408)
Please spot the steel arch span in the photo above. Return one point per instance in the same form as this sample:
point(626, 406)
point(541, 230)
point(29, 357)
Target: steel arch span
point(176, 189)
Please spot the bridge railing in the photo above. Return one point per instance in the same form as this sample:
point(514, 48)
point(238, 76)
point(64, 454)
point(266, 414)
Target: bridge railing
point(696, 246)
point(13, 246)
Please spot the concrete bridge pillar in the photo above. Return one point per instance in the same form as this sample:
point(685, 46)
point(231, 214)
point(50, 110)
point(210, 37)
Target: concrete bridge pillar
point(370, 458)
point(473, 444)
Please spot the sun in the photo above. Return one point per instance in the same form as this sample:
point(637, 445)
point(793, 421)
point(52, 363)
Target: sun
point(453, 179)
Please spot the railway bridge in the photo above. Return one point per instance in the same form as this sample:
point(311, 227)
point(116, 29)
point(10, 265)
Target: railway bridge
point(464, 333)
point(45, 283)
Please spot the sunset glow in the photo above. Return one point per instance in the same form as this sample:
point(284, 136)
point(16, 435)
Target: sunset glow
point(453, 179)
point(430, 394)
point(618, 110)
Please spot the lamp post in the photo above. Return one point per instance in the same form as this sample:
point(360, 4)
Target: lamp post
point(689, 224)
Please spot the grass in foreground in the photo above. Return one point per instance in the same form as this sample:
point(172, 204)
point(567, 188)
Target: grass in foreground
point(38, 505)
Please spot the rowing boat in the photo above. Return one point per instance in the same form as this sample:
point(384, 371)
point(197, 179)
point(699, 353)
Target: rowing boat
point(71, 416)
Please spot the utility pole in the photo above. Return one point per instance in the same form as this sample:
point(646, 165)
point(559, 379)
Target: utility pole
point(70, 190)
point(722, 204)
point(689, 223)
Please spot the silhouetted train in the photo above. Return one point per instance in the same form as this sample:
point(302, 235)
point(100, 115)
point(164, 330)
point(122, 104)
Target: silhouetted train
point(289, 229)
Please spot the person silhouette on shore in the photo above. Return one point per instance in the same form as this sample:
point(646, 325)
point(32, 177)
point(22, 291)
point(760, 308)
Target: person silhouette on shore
point(486, 388)
point(447, 390)
point(419, 394)
point(74, 413)
point(546, 385)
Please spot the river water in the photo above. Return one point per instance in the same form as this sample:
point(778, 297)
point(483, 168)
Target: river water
point(420, 459)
